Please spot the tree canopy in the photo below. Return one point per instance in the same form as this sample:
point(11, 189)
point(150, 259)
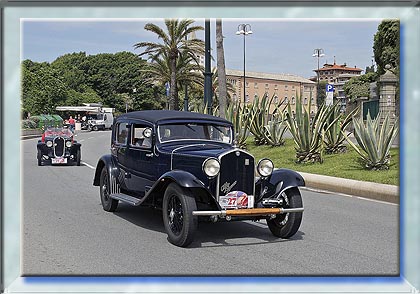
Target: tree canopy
point(116, 80)
point(386, 45)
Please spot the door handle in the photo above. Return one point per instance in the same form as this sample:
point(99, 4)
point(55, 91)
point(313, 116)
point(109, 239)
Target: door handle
point(127, 175)
point(149, 154)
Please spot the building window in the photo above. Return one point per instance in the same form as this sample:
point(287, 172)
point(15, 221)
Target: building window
point(235, 98)
point(276, 99)
point(388, 101)
point(247, 98)
point(266, 86)
point(275, 87)
point(293, 100)
point(255, 96)
point(286, 100)
point(247, 84)
point(305, 101)
point(255, 85)
point(293, 87)
point(312, 101)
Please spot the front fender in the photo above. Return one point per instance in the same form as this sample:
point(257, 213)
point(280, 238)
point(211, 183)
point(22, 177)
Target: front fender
point(109, 162)
point(185, 180)
point(280, 180)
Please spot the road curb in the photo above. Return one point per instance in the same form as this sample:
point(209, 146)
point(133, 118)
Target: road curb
point(382, 192)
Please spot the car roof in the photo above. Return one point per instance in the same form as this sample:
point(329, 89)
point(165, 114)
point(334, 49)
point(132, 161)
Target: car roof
point(156, 116)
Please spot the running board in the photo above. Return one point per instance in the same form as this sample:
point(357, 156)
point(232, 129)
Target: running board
point(126, 198)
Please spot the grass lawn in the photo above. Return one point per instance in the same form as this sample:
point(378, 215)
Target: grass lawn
point(344, 165)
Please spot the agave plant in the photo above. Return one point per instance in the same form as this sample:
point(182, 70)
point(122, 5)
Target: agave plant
point(308, 136)
point(274, 131)
point(265, 131)
point(201, 108)
point(374, 140)
point(240, 119)
point(334, 128)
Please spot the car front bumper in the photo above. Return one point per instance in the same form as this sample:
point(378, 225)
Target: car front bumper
point(247, 212)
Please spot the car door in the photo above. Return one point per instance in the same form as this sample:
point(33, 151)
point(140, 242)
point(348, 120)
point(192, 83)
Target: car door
point(142, 167)
point(119, 150)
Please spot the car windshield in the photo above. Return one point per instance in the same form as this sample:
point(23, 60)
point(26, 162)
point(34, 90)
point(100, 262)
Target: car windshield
point(97, 116)
point(52, 132)
point(195, 131)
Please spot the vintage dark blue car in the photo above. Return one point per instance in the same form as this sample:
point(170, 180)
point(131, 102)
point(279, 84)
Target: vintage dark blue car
point(187, 164)
point(57, 146)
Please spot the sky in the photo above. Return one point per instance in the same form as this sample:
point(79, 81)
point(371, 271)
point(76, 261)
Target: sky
point(276, 46)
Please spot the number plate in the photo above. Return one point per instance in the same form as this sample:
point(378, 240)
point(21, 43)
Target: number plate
point(236, 199)
point(58, 160)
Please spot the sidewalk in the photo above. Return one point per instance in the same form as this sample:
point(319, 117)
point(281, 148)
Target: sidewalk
point(382, 192)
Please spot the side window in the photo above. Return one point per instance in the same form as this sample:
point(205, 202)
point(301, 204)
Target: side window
point(121, 134)
point(138, 138)
point(105, 117)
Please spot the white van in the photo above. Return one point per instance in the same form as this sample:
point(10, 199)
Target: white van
point(100, 121)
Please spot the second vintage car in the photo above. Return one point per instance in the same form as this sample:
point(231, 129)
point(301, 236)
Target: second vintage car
point(57, 146)
point(187, 164)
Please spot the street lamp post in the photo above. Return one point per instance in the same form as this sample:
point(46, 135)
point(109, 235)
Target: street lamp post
point(319, 52)
point(244, 29)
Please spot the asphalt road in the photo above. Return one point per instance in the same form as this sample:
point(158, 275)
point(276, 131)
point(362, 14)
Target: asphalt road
point(65, 231)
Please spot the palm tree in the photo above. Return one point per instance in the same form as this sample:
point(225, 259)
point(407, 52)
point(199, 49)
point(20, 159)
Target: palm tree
point(221, 70)
point(229, 88)
point(174, 45)
point(187, 72)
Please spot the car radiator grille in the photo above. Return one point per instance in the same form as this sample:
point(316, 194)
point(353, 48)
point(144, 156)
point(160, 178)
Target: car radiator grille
point(236, 173)
point(59, 146)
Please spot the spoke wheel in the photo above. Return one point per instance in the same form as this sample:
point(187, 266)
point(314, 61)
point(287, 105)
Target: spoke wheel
point(108, 203)
point(287, 224)
point(180, 224)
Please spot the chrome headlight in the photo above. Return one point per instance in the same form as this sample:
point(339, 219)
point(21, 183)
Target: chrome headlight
point(49, 144)
point(265, 167)
point(211, 167)
point(68, 144)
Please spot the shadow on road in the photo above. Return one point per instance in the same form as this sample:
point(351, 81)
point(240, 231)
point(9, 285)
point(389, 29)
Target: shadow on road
point(208, 235)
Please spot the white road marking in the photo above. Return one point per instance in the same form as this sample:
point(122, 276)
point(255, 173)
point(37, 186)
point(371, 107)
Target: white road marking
point(91, 137)
point(88, 165)
point(379, 201)
point(81, 140)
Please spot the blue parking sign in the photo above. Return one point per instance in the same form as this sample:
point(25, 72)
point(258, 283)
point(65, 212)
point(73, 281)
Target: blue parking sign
point(329, 88)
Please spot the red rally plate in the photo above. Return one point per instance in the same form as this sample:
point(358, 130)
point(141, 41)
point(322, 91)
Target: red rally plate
point(235, 200)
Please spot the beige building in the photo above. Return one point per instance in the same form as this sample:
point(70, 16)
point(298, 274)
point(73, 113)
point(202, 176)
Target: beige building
point(338, 75)
point(284, 88)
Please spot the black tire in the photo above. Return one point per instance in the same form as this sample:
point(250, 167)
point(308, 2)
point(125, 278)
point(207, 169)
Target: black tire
point(108, 203)
point(180, 224)
point(78, 157)
point(286, 225)
point(95, 128)
point(39, 157)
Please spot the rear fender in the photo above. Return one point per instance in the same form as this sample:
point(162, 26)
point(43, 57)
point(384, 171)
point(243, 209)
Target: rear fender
point(279, 181)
